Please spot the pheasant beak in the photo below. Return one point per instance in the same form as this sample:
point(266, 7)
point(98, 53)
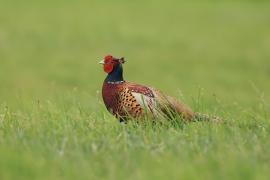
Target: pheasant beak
point(101, 62)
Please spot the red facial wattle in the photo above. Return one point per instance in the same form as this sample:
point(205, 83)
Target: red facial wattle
point(108, 67)
point(108, 64)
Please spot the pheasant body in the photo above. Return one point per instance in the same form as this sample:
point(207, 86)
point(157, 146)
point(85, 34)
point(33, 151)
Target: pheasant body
point(127, 100)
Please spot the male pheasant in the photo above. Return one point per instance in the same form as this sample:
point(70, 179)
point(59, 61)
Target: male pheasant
point(126, 100)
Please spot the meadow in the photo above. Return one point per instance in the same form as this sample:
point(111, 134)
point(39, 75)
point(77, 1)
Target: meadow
point(213, 55)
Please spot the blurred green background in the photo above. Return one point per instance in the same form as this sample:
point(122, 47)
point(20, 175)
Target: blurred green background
point(49, 52)
point(54, 46)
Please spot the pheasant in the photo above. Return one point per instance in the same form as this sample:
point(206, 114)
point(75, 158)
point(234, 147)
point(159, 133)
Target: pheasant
point(126, 100)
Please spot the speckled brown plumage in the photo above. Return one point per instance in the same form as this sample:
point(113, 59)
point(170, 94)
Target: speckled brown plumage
point(119, 100)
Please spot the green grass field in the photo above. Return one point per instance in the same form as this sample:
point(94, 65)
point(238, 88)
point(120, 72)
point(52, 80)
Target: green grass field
point(214, 55)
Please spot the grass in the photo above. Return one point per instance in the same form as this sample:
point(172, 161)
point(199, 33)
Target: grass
point(212, 54)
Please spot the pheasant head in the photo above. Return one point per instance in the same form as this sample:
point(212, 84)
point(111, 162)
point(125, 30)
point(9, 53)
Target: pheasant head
point(113, 67)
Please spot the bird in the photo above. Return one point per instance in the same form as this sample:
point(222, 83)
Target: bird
point(126, 100)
